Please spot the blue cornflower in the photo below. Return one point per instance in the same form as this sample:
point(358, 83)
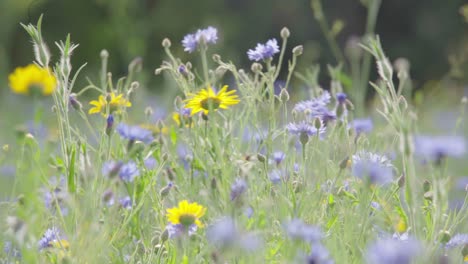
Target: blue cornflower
point(314, 106)
point(129, 171)
point(108, 198)
point(341, 98)
point(179, 230)
point(361, 125)
point(223, 233)
point(435, 148)
point(192, 41)
point(238, 188)
point(109, 124)
point(51, 235)
point(375, 172)
point(10, 250)
point(278, 157)
point(264, 51)
point(134, 133)
point(297, 229)
point(150, 163)
point(319, 255)
point(392, 251)
point(126, 202)
point(111, 168)
point(458, 240)
point(56, 195)
point(275, 176)
point(304, 130)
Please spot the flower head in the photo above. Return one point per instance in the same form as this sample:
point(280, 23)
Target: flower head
point(438, 147)
point(208, 100)
point(264, 51)
point(179, 229)
point(361, 125)
point(341, 98)
point(376, 168)
point(304, 130)
point(238, 188)
point(391, 251)
point(183, 117)
point(192, 41)
point(297, 229)
point(319, 255)
point(134, 133)
point(53, 238)
point(458, 240)
point(32, 78)
point(129, 171)
point(126, 202)
point(113, 101)
point(186, 214)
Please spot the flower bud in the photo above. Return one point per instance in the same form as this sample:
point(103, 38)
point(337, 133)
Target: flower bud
point(284, 95)
point(104, 54)
point(256, 67)
point(285, 33)
point(166, 43)
point(74, 102)
point(217, 58)
point(297, 51)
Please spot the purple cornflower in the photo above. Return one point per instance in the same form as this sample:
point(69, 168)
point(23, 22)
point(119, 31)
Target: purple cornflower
point(129, 171)
point(238, 188)
point(435, 148)
point(126, 202)
point(278, 157)
point(108, 197)
point(134, 133)
point(361, 125)
point(392, 251)
point(51, 235)
point(375, 172)
point(264, 51)
point(192, 41)
point(297, 229)
point(458, 240)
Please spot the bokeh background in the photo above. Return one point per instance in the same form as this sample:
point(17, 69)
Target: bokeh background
point(431, 34)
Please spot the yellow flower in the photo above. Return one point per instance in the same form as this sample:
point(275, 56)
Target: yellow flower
point(114, 102)
point(401, 226)
point(207, 100)
point(181, 118)
point(186, 214)
point(155, 129)
point(32, 78)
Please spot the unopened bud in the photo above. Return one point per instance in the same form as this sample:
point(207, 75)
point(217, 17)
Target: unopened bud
point(256, 67)
point(261, 157)
point(285, 33)
point(166, 43)
point(135, 65)
point(213, 183)
point(158, 71)
point(284, 95)
point(74, 102)
point(297, 51)
point(104, 54)
point(164, 236)
point(427, 186)
point(170, 174)
point(165, 191)
point(401, 181)
point(217, 58)
point(109, 125)
point(149, 111)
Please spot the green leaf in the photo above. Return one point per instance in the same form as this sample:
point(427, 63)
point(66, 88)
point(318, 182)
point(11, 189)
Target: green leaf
point(71, 171)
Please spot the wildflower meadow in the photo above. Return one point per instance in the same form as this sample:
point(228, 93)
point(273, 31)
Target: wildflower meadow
point(262, 164)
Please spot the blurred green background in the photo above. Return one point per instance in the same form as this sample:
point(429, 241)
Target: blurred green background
point(432, 34)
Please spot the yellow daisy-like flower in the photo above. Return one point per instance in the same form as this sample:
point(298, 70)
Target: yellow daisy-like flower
point(186, 214)
point(31, 79)
point(112, 100)
point(207, 100)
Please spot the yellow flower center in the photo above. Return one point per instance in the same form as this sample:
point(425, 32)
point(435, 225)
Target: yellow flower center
point(187, 220)
point(210, 103)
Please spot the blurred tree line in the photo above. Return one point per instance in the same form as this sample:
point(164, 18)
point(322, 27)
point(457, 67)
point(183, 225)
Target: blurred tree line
point(431, 34)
